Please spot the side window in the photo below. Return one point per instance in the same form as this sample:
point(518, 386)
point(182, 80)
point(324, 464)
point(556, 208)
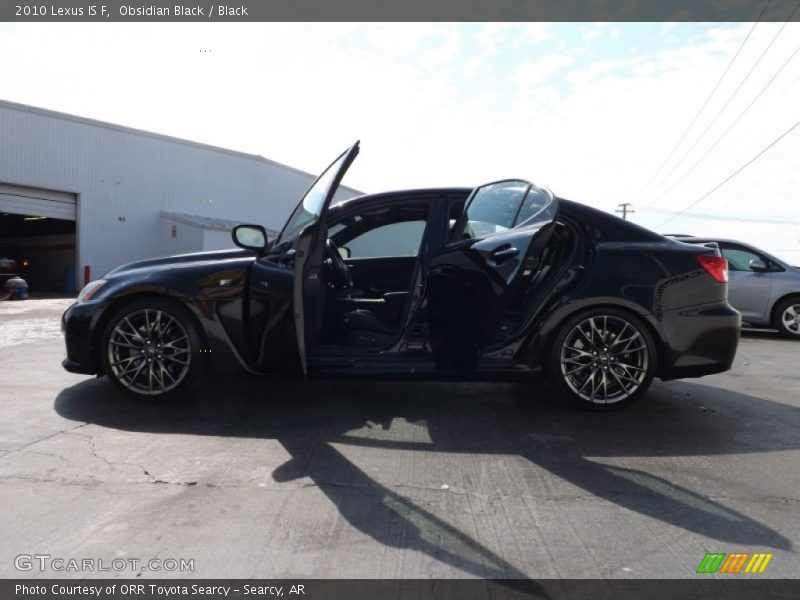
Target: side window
point(535, 201)
point(394, 239)
point(394, 231)
point(493, 208)
point(739, 258)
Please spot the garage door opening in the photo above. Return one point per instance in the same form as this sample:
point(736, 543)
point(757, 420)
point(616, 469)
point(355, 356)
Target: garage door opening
point(37, 238)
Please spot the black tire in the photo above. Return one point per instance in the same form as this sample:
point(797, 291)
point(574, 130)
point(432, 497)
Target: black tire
point(604, 369)
point(786, 321)
point(152, 366)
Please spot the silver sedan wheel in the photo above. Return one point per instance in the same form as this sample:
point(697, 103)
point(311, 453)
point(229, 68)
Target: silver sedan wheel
point(791, 319)
point(149, 351)
point(604, 359)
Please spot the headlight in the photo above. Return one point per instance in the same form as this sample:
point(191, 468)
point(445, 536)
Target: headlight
point(90, 289)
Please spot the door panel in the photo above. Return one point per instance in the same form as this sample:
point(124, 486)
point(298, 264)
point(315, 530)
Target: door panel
point(748, 291)
point(286, 294)
point(374, 277)
point(473, 282)
point(309, 250)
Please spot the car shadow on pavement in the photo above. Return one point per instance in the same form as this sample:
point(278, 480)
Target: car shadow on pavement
point(765, 334)
point(310, 420)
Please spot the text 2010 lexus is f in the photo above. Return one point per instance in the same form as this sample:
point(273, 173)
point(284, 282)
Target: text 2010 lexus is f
point(498, 282)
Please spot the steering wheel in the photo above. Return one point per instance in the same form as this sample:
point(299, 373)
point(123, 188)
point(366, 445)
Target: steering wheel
point(340, 272)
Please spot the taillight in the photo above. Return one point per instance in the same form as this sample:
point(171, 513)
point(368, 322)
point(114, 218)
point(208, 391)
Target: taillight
point(716, 266)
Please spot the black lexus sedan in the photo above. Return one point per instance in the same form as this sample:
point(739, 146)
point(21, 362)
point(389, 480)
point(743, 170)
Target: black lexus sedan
point(504, 281)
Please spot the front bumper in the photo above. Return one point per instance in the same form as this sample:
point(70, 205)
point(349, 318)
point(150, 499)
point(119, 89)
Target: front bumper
point(699, 340)
point(78, 325)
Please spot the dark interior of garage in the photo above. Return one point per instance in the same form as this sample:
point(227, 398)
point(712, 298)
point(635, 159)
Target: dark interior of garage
point(43, 250)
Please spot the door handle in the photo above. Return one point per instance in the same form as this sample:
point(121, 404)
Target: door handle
point(503, 253)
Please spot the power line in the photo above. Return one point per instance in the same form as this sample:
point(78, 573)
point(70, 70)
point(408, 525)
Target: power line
point(728, 101)
point(725, 106)
point(732, 175)
point(713, 217)
point(624, 208)
point(730, 127)
point(705, 103)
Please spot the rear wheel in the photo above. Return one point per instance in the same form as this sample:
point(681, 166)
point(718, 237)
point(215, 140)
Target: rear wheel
point(787, 318)
point(603, 359)
point(151, 349)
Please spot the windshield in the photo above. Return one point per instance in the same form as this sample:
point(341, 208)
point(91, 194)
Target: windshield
point(311, 206)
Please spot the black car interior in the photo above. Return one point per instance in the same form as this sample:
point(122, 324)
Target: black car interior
point(371, 261)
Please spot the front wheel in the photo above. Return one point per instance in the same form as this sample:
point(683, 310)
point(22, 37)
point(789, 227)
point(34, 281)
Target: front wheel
point(787, 318)
point(603, 359)
point(151, 349)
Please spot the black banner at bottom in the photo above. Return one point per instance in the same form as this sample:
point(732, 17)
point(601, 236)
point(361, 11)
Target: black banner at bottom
point(401, 589)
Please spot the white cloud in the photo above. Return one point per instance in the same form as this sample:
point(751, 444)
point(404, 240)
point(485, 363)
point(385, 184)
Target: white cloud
point(441, 104)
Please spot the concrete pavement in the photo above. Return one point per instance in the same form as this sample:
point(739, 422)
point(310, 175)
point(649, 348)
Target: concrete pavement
point(258, 478)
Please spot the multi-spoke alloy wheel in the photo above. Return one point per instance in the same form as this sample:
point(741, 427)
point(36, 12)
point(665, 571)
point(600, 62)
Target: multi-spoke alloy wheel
point(788, 321)
point(604, 359)
point(150, 350)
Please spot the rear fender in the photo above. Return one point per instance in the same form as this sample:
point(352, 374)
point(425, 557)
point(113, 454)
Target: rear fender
point(542, 340)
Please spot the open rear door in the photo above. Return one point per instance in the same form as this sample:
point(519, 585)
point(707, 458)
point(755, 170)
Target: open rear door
point(303, 236)
point(478, 284)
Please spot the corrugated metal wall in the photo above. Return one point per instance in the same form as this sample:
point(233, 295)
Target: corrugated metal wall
point(214, 239)
point(185, 239)
point(124, 179)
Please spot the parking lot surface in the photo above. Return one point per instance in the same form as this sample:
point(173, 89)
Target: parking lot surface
point(253, 477)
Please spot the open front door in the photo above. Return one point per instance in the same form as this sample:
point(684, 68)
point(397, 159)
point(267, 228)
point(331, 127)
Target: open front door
point(480, 285)
point(303, 241)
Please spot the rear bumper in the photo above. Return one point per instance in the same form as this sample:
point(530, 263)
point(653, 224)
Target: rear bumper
point(700, 340)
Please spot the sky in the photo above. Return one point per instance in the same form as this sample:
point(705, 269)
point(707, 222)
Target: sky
point(589, 110)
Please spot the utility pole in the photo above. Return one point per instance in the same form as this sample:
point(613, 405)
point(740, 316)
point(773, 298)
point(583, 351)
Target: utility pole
point(624, 208)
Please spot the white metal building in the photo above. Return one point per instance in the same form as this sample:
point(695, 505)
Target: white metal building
point(79, 197)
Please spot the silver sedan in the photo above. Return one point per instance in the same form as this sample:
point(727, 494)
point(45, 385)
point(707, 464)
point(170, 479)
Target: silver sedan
point(765, 289)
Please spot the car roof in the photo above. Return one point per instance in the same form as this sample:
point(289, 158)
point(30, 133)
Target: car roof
point(609, 226)
point(421, 192)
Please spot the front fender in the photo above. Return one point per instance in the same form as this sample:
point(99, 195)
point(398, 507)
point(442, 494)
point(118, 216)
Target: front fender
point(212, 293)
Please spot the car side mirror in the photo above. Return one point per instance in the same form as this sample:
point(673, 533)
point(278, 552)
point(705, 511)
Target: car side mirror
point(250, 237)
point(759, 266)
point(344, 252)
